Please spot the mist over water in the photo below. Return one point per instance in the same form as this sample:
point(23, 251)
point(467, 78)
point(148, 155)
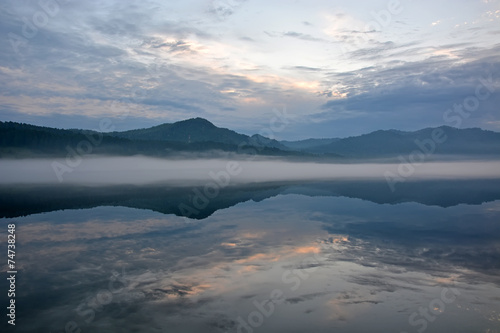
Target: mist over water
point(144, 170)
point(208, 258)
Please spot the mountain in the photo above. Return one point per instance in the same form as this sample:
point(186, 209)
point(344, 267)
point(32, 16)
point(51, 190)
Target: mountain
point(200, 135)
point(197, 130)
point(190, 130)
point(23, 139)
point(391, 143)
point(261, 141)
point(307, 144)
point(192, 135)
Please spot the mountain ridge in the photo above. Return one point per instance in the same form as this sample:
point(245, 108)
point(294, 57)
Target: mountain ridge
point(199, 134)
point(382, 143)
point(189, 130)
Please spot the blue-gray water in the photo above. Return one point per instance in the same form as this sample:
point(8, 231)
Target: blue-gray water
point(297, 258)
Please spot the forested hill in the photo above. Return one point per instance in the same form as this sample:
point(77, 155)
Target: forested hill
point(23, 140)
point(200, 135)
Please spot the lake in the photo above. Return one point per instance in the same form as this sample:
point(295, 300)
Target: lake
point(296, 256)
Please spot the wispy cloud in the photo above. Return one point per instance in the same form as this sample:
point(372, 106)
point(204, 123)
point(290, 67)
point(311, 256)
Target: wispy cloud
point(210, 60)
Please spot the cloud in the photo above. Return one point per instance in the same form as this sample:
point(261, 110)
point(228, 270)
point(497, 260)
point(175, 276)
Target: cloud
point(225, 8)
point(302, 36)
point(419, 91)
point(307, 69)
point(195, 59)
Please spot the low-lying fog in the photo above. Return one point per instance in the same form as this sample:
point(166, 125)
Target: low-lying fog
point(143, 170)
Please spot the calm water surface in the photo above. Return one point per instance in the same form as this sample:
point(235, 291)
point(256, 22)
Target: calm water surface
point(295, 258)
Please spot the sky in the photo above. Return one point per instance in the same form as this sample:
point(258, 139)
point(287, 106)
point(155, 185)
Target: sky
point(285, 69)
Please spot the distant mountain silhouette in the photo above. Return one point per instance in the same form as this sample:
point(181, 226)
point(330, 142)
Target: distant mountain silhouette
point(200, 135)
point(22, 200)
point(389, 143)
point(190, 130)
point(307, 144)
point(192, 135)
point(261, 141)
point(197, 130)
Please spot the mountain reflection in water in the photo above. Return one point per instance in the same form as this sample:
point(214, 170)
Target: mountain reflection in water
point(274, 257)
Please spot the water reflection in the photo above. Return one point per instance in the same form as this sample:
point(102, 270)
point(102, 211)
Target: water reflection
point(283, 262)
point(193, 202)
